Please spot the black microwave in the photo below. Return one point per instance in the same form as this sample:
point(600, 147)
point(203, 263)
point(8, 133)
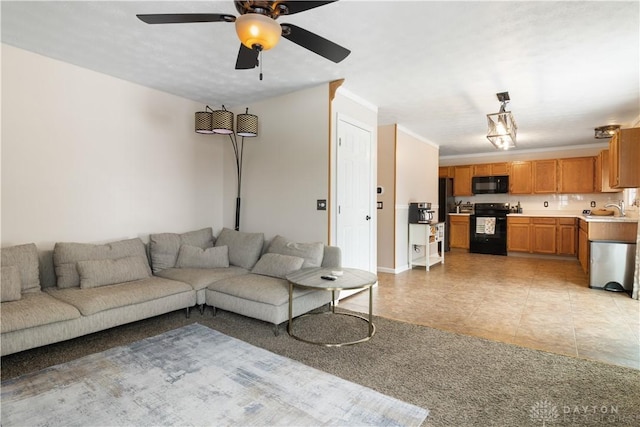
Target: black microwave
point(490, 184)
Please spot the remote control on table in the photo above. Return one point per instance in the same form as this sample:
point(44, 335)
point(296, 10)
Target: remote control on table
point(329, 277)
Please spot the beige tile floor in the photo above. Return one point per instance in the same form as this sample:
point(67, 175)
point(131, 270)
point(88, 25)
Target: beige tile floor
point(540, 303)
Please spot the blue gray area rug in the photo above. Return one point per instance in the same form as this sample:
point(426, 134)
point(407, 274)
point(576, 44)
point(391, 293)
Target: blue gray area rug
point(195, 375)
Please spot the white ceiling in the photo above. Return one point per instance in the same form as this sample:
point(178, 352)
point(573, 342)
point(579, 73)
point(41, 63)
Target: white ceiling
point(432, 67)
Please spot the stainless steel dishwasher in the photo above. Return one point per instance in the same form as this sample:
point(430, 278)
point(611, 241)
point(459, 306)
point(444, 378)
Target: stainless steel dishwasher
point(612, 266)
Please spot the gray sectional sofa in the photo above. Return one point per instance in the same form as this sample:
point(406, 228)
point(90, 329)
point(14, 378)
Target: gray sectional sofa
point(101, 286)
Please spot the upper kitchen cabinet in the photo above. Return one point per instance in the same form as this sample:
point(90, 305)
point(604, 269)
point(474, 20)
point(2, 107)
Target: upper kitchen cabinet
point(520, 178)
point(445, 172)
point(602, 173)
point(545, 178)
point(576, 175)
point(462, 181)
point(624, 158)
point(491, 169)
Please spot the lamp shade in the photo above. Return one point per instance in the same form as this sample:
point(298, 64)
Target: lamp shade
point(247, 125)
point(502, 130)
point(256, 29)
point(222, 122)
point(203, 122)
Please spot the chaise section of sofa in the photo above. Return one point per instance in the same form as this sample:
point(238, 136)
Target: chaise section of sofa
point(263, 293)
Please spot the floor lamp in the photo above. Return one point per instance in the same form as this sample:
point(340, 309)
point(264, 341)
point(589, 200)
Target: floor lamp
point(220, 122)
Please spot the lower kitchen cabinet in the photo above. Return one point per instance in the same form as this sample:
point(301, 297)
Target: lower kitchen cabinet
point(518, 234)
point(583, 244)
point(541, 235)
point(567, 238)
point(459, 231)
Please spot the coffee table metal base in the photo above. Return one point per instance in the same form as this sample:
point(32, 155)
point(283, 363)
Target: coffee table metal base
point(333, 312)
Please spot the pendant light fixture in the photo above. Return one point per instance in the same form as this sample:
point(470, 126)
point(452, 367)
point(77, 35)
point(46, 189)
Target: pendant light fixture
point(220, 122)
point(502, 125)
point(605, 132)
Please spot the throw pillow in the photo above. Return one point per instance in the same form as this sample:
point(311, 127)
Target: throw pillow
point(164, 247)
point(311, 252)
point(25, 258)
point(277, 265)
point(244, 248)
point(101, 272)
point(195, 257)
point(67, 255)
point(10, 284)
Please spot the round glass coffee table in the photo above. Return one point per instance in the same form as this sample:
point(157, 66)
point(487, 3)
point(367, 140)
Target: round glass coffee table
point(351, 278)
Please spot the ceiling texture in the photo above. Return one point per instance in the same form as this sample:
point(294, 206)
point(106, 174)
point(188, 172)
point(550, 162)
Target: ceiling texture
point(433, 68)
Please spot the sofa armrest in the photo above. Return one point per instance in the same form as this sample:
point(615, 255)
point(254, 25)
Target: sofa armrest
point(332, 257)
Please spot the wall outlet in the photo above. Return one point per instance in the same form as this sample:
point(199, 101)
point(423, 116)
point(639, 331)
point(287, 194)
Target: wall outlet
point(593, 204)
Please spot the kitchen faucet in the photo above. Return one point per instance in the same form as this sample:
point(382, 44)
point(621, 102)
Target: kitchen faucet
point(620, 207)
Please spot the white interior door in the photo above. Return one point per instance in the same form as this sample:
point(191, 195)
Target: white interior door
point(354, 196)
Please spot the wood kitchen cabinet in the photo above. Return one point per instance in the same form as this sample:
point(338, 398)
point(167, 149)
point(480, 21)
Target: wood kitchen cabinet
point(520, 178)
point(601, 174)
point(583, 244)
point(566, 239)
point(576, 175)
point(462, 181)
point(459, 231)
point(491, 169)
point(543, 236)
point(518, 234)
point(445, 172)
point(624, 158)
point(545, 176)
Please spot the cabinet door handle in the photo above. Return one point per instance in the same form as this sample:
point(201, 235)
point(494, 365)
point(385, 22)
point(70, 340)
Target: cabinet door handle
point(367, 217)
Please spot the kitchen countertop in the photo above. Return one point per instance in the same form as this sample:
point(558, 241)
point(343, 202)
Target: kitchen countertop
point(588, 218)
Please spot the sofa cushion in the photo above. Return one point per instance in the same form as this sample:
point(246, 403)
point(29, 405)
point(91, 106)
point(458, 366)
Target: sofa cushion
point(244, 248)
point(195, 257)
point(312, 253)
point(200, 278)
point(100, 272)
point(25, 257)
point(254, 287)
point(67, 255)
point(277, 265)
point(164, 247)
point(94, 300)
point(35, 309)
point(10, 283)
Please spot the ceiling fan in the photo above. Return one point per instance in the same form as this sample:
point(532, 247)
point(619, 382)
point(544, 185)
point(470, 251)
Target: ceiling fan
point(257, 29)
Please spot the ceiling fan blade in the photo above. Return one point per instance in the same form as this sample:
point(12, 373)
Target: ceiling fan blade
point(185, 18)
point(314, 43)
point(247, 58)
point(301, 6)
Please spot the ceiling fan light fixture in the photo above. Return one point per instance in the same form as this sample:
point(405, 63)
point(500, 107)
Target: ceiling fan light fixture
point(502, 126)
point(605, 132)
point(255, 29)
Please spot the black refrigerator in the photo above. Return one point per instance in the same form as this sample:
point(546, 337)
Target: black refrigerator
point(446, 204)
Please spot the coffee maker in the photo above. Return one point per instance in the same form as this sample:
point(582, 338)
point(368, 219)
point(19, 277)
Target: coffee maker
point(420, 213)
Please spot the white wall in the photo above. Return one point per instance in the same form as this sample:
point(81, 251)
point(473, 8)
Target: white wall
point(285, 168)
point(87, 157)
point(387, 179)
